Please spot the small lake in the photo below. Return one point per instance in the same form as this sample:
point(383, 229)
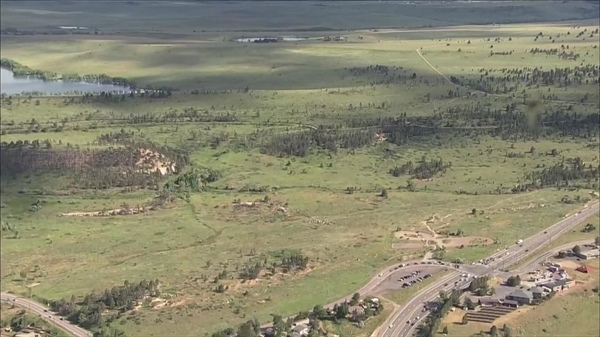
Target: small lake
point(11, 85)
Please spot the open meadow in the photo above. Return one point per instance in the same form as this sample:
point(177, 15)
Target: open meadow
point(267, 178)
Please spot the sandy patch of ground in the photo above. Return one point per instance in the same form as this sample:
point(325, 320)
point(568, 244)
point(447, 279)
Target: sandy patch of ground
point(109, 212)
point(152, 161)
point(454, 317)
point(415, 240)
point(569, 264)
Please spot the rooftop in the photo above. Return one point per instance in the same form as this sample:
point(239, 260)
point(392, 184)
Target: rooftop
point(520, 293)
point(556, 283)
point(536, 290)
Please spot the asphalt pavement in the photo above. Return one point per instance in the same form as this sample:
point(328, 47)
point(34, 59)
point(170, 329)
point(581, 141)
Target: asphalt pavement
point(403, 322)
point(46, 314)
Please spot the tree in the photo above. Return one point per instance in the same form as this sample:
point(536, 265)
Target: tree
point(465, 319)
point(506, 331)
point(445, 330)
point(342, 310)
point(279, 326)
point(410, 186)
point(319, 312)
point(513, 281)
point(474, 211)
point(493, 331)
point(384, 193)
point(355, 299)
point(469, 303)
point(577, 249)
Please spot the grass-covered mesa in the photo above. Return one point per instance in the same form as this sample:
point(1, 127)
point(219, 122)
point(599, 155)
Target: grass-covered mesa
point(273, 177)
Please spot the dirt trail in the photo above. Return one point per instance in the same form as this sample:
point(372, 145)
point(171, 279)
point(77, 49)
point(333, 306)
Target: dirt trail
point(429, 228)
point(434, 69)
point(450, 82)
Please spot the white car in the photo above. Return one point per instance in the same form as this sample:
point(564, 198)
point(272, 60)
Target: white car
point(391, 326)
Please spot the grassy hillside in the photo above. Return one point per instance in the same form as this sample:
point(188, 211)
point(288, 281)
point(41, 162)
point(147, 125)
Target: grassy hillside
point(323, 150)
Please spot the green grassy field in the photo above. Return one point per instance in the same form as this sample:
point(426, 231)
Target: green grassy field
point(347, 237)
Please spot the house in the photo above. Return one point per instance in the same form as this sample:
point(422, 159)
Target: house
point(510, 303)
point(521, 296)
point(557, 285)
point(488, 302)
point(537, 292)
point(300, 330)
point(588, 254)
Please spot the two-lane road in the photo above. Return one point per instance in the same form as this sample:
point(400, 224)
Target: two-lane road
point(401, 322)
point(46, 314)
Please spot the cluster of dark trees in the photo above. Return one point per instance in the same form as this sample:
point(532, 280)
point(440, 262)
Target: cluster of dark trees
point(562, 53)
point(282, 328)
point(384, 74)
point(22, 321)
point(563, 174)
point(191, 115)
point(480, 286)
point(289, 261)
point(97, 309)
point(22, 70)
point(114, 138)
point(513, 123)
point(552, 51)
point(473, 119)
point(513, 281)
point(193, 181)
point(292, 260)
point(423, 170)
point(430, 327)
point(91, 168)
point(299, 143)
point(506, 81)
point(503, 53)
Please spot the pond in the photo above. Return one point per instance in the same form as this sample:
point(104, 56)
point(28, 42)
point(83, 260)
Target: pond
point(11, 85)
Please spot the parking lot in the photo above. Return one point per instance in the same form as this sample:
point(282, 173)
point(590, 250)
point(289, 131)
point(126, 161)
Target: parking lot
point(404, 279)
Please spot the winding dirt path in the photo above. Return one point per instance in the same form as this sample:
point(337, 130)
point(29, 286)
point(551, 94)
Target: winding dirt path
point(434, 69)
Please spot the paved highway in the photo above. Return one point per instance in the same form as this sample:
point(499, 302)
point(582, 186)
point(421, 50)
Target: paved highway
point(536, 263)
point(37, 308)
point(401, 322)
